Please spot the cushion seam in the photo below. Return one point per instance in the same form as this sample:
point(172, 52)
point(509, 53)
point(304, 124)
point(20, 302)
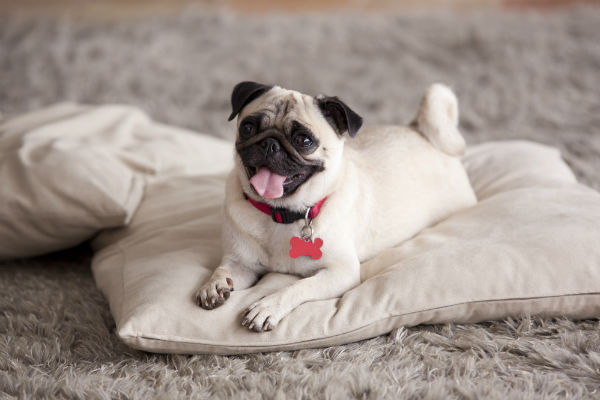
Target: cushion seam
point(216, 344)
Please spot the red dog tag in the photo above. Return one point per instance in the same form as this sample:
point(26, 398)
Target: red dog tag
point(301, 247)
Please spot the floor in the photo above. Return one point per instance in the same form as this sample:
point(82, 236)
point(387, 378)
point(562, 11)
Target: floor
point(119, 9)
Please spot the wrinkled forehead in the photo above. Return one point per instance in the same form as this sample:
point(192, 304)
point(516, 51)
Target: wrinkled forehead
point(280, 107)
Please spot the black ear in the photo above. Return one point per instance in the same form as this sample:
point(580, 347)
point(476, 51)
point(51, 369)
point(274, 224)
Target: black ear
point(339, 115)
point(243, 93)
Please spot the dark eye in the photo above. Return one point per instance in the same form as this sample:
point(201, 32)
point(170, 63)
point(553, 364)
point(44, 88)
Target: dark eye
point(247, 129)
point(302, 141)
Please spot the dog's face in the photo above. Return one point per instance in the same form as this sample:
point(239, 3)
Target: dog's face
point(289, 145)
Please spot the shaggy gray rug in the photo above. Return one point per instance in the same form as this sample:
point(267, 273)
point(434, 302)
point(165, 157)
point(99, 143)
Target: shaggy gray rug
point(516, 75)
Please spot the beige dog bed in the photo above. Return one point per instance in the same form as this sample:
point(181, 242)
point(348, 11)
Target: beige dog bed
point(530, 246)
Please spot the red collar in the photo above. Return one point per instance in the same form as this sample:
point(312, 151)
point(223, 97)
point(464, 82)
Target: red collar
point(283, 215)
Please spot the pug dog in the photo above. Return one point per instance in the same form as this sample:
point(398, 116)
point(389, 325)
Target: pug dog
point(312, 196)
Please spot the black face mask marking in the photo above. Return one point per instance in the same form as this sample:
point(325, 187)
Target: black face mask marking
point(281, 153)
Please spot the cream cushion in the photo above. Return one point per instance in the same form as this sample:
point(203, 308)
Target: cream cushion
point(530, 246)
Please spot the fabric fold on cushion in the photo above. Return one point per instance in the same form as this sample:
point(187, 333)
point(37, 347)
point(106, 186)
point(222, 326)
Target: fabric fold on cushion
point(70, 170)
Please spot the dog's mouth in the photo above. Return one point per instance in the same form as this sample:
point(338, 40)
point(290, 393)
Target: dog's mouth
point(290, 180)
point(271, 185)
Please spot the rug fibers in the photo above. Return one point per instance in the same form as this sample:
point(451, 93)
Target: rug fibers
point(528, 76)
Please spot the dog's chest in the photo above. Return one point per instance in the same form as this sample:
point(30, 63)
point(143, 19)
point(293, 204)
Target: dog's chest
point(273, 241)
point(277, 248)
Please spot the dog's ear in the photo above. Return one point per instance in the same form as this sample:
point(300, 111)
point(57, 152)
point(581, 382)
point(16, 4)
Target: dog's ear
point(243, 93)
point(437, 120)
point(339, 115)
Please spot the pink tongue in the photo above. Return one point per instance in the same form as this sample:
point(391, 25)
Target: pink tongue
point(268, 184)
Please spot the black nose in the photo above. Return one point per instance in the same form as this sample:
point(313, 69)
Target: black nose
point(270, 146)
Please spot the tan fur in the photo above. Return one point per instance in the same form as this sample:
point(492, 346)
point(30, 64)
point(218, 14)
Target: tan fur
point(383, 187)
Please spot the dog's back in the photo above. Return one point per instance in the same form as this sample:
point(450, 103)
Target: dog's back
point(408, 180)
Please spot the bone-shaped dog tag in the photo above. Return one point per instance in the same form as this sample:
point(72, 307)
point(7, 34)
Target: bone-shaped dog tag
point(302, 247)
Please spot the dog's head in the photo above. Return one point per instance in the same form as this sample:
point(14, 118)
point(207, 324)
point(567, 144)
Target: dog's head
point(289, 145)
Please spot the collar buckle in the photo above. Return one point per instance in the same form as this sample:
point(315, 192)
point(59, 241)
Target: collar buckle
point(285, 216)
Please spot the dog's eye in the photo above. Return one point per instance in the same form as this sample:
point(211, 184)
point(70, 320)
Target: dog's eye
point(302, 141)
point(247, 129)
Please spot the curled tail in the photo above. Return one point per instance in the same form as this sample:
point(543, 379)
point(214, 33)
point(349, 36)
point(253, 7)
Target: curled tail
point(437, 120)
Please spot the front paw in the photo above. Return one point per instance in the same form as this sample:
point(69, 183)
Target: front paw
point(264, 315)
point(214, 293)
